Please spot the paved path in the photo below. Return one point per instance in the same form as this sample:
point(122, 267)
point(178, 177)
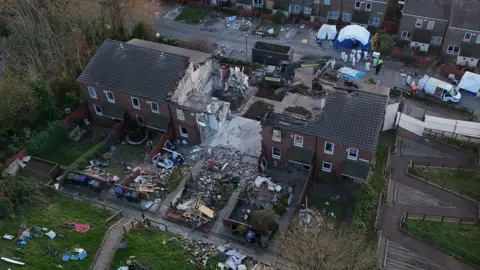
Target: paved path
point(456, 205)
point(110, 243)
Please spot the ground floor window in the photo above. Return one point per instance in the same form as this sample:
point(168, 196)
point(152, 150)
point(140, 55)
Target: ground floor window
point(406, 35)
point(276, 153)
point(452, 49)
point(98, 109)
point(140, 120)
point(326, 166)
point(183, 132)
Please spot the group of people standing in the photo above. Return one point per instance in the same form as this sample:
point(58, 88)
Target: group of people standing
point(356, 56)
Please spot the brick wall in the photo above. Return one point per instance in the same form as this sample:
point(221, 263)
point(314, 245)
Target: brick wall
point(79, 114)
point(117, 134)
point(168, 135)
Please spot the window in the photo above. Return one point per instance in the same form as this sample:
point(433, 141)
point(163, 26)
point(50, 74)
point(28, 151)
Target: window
point(140, 120)
point(358, 4)
point(352, 153)
point(154, 107)
point(306, 167)
point(375, 21)
point(180, 115)
point(98, 109)
point(452, 49)
point(419, 23)
point(276, 154)
point(110, 96)
point(326, 2)
point(467, 37)
point(316, 1)
point(307, 10)
point(436, 40)
point(368, 6)
point(478, 39)
point(92, 92)
point(347, 17)
point(294, 9)
point(430, 25)
point(135, 103)
point(333, 15)
point(183, 132)
point(326, 166)
point(329, 148)
point(298, 140)
point(277, 135)
point(406, 35)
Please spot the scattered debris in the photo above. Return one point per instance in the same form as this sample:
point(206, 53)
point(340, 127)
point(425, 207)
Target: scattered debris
point(299, 111)
point(237, 81)
point(312, 219)
point(258, 110)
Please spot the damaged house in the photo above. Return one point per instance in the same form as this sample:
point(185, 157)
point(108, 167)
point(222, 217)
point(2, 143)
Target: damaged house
point(339, 143)
point(157, 85)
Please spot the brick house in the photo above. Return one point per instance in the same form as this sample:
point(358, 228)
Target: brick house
point(369, 14)
point(462, 38)
point(339, 143)
point(424, 23)
point(153, 83)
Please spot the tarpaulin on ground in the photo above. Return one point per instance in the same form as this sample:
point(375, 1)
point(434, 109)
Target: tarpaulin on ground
point(351, 36)
point(350, 73)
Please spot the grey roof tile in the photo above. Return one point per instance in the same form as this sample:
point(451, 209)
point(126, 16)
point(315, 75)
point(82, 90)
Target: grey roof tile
point(465, 14)
point(134, 70)
point(438, 9)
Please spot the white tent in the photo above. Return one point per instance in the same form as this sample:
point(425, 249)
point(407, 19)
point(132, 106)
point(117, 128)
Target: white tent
point(327, 31)
point(356, 32)
point(470, 82)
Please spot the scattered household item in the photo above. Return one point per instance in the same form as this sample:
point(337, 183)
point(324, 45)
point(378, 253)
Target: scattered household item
point(79, 227)
point(12, 261)
point(51, 234)
point(8, 236)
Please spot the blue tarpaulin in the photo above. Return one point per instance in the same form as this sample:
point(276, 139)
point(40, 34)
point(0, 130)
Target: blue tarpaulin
point(353, 36)
point(350, 73)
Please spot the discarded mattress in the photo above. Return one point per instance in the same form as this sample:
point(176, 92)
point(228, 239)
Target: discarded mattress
point(350, 73)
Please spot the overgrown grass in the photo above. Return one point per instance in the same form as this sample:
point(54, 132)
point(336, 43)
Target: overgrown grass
point(66, 153)
point(176, 177)
point(52, 217)
point(329, 205)
point(463, 240)
point(465, 182)
point(386, 140)
point(191, 15)
point(154, 249)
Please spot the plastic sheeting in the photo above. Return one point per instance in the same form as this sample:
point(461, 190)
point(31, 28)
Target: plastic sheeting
point(470, 82)
point(350, 73)
point(327, 31)
point(353, 35)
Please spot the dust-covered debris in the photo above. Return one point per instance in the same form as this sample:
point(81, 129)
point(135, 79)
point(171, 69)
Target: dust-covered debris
point(300, 111)
point(237, 81)
point(258, 110)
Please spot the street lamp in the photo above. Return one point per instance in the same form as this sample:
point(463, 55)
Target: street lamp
point(246, 47)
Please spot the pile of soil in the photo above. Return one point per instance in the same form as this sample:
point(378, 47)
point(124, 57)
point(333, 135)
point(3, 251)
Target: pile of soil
point(258, 110)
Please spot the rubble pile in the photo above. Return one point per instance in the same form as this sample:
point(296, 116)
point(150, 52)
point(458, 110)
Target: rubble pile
point(199, 250)
point(242, 24)
point(237, 81)
point(311, 219)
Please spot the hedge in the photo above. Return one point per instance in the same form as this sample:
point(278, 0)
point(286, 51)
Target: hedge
point(53, 135)
point(365, 204)
point(84, 160)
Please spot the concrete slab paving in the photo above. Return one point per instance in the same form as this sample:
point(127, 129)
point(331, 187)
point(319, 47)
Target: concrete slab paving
point(408, 195)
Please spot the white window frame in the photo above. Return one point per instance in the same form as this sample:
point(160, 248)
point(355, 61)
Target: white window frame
point(185, 135)
point(430, 25)
point(375, 21)
point(142, 122)
point(436, 38)
point(351, 157)
point(406, 35)
point(419, 23)
point(465, 39)
point(366, 5)
point(359, 5)
point(326, 2)
point(133, 104)
point(327, 151)
point(277, 135)
point(452, 51)
point(307, 10)
point(295, 9)
point(276, 156)
point(325, 169)
point(333, 15)
point(92, 92)
point(98, 109)
point(180, 114)
point(151, 107)
point(349, 17)
point(300, 140)
point(111, 100)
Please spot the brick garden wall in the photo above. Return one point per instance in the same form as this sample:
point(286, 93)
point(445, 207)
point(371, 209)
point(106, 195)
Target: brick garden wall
point(168, 135)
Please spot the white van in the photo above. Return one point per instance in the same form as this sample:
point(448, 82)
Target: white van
point(439, 89)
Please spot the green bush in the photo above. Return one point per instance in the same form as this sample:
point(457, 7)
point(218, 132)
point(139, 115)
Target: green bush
point(169, 41)
point(84, 160)
point(278, 17)
point(386, 44)
point(232, 11)
point(143, 31)
point(281, 207)
point(6, 208)
point(53, 135)
point(365, 204)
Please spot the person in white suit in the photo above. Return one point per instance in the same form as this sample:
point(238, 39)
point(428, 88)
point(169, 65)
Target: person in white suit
point(367, 66)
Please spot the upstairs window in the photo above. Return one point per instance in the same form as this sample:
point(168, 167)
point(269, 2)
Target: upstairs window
point(419, 23)
point(298, 140)
point(154, 107)
point(180, 115)
point(368, 6)
point(92, 92)
point(135, 103)
point(352, 153)
point(329, 148)
point(110, 96)
point(430, 25)
point(277, 135)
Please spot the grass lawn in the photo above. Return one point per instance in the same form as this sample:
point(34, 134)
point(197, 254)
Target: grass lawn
point(328, 205)
point(149, 248)
point(466, 182)
point(192, 15)
point(386, 139)
point(67, 153)
point(52, 217)
point(463, 240)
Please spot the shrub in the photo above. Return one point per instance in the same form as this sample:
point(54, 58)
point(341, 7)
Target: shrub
point(365, 203)
point(47, 139)
point(232, 11)
point(84, 159)
point(143, 31)
point(6, 208)
point(278, 17)
point(169, 41)
point(281, 207)
point(386, 44)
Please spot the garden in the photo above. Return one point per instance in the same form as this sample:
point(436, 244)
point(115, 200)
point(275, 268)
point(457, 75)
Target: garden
point(461, 240)
point(40, 250)
point(192, 15)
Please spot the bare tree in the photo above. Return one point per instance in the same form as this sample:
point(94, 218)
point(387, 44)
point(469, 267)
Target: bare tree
point(324, 249)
